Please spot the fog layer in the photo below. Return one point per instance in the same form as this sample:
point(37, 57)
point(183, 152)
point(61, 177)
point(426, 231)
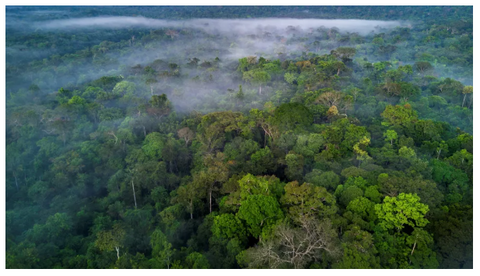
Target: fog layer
point(226, 26)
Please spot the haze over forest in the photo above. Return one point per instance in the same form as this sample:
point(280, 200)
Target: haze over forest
point(220, 137)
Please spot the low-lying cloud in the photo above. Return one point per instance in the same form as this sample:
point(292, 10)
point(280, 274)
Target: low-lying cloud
point(224, 26)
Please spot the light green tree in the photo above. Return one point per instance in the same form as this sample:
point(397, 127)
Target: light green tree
point(161, 250)
point(228, 226)
point(405, 209)
point(359, 149)
point(390, 135)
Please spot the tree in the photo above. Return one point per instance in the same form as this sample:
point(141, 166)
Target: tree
point(398, 115)
point(124, 87)
point(260, 213)
point(409, 246)
point(228, 226)
point(344, 53)
point(162, 252)
point(196, 260)
point(309, 145)
point(361, 211)
point(257, 77)
point(290, 78)
point(240, 95)
point(216, 174)
point(159, 106)
point(260, 185)
point(359, 251)
point(423, 66)
point(262, 161)
point(291, 116)
point(267, 122)
point(214, 127)
point(328, 180)
point(306, 201)
point(407, 153)
point(466, 90)
point(378, 41)
point(421, 254)
point(189, 196)
point(359, 149)
point(397, 212)
point(463, 160)
point(426, 189)
point(387, 50)
point(330, 99)
point(295, 163)
point(111, 240)
point(294, 247)
point(390, 135)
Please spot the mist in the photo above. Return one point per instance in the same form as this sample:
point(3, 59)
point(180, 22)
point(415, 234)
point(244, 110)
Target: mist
point(223, 26)
point(205, 39)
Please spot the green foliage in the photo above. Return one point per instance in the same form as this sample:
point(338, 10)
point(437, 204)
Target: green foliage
point(153, 145)
point(295, 163)
point(111, 240)
point(306, 201)
point(292, 116)
point(196, 260)
point(405, 209)
point(329, 180)
point(358, 251)
point(398, 115)
point(260, 214)
point(162, 252)
point(258, 185)
point(390, 136)
point(228, 226)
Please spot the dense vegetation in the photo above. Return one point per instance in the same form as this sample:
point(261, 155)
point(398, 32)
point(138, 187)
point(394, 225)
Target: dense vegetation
point(296, 147)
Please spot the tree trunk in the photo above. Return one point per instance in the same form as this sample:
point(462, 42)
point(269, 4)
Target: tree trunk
point(144, 131)
point(118, 252)
point(210, 194)
point(260, 90)
point(439, 151)
point(464, 97)
point(191, 209)
point(413, 249)
point(134, 197)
